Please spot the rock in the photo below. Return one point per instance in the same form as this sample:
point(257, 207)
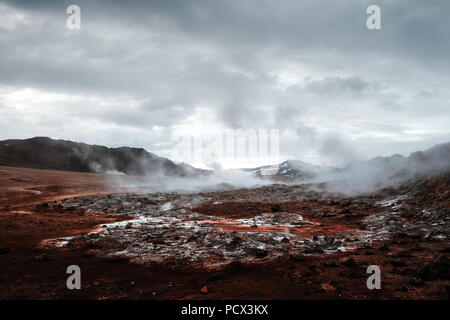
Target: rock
point(204, 290)
point(438, 269)
point(4, 250)
point(270, 241)
point(254, 226)
point(400, 234)
point(259, 253)
point(327, 287)
point(349, 263)
point(192, 238)
point(129, 225)
point(285, 240)
point(329, 240)
point(234, 243)
point(384, 247)
point(330, 263)
point(275, 207)
point(158, 240)
point(313, 250)
point(343, 211)
point(345, 203)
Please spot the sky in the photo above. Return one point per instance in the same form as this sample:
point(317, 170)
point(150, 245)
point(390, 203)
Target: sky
point(137, 73)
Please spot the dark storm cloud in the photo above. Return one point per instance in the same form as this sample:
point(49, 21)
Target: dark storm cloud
point(308, 67)
point(415, 30)
point(333, 85)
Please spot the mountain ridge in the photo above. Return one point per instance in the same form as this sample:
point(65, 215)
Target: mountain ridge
point(434, 159)
point(58, 154)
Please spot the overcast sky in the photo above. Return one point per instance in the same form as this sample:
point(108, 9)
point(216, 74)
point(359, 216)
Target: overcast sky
point(137, 71)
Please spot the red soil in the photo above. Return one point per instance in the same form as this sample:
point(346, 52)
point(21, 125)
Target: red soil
point(30, 272)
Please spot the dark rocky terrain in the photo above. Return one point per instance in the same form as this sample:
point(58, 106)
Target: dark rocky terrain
point(271, 242)
point(291, 240)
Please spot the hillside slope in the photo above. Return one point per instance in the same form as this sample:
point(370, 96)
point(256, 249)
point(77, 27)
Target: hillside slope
point(46, 153)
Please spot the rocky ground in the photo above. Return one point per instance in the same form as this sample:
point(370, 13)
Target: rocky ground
point(272, 242)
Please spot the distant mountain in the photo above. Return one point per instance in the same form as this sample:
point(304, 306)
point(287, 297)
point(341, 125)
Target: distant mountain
point(433, 160)
point(46, 153)
point(291, 170)
point(382, 172)
point(377, 171)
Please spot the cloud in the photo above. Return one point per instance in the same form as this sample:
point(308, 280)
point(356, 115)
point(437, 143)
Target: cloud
point(339, 150)
point(138, 70)
point(337, 85)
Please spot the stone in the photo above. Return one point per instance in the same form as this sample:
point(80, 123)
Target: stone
point(438, 269)
point(259, 253)
point(330, 263)
point(234, 243)
point(4, 250)
point(275, 207)
point(128, 226)
point(285, 240)
point(327, 287)
point(350, 263)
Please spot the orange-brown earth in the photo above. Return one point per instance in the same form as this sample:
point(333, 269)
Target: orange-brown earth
point(30, 212)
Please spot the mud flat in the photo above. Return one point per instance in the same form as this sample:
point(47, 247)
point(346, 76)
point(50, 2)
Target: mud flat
point(272, 242)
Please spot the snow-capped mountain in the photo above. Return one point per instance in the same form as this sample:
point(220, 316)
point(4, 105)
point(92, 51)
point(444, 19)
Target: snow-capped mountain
point(291, 170)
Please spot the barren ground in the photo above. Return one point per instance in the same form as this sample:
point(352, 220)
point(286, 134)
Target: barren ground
point(273, 242)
